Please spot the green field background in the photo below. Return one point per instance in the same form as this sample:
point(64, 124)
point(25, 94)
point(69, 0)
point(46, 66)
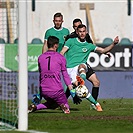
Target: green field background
point(117, 117)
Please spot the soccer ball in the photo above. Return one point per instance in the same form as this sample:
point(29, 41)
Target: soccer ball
point(82, 91)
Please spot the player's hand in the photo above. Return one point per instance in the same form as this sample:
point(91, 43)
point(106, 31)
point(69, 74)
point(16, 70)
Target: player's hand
point(36, 99)
point(108, 54)
point(76, 100)
point(80, 80)
point(116, 40)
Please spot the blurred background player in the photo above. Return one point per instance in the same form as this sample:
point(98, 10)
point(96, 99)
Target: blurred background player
point(58, 31)
point(51, 65)
point(77, 50)
point(76, 23)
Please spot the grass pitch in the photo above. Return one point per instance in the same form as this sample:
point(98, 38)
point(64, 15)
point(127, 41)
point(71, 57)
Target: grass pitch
point(117, 117)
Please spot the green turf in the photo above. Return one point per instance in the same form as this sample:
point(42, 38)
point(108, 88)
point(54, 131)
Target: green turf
point(117, 117)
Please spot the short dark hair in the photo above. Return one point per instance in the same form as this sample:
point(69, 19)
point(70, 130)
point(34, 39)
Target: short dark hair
point(58, 14)
point(81, 26)
point(77, 20)
point(52, 40)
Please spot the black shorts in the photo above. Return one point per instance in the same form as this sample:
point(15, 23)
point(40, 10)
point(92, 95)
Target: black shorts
point(89, 72)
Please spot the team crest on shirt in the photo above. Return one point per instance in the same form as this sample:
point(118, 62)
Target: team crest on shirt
point(84, 49)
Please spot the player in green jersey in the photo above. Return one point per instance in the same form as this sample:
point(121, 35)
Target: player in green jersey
point(77, 51)
point(57, 31)
point(90, 74)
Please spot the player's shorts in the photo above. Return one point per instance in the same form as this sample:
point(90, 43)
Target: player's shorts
point(89, 72)
point(73, 72)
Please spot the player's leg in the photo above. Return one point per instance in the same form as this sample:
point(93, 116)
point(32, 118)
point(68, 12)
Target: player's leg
point(35, 102)
point(93, 101)
point(61, 101)
point(96, 83)
point(47, 105)
point(91, 76)
point(33, 107)
point(82, 71)
point(72, 74)
point(54, 100)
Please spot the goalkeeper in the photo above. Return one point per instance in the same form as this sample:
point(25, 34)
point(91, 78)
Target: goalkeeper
point(51, 64)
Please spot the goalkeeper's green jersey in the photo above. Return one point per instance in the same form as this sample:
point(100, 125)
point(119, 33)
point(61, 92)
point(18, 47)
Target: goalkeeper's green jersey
point(61, 34)
point(78, 52)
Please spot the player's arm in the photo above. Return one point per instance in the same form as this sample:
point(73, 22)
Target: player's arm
point(44, 48)
point(107, 49)
point(64, 50)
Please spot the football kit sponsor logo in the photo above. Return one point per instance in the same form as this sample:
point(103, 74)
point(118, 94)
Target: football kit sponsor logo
point(118, 59)
point(49, 76)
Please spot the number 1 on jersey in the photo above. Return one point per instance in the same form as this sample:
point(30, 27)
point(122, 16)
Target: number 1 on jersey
point(48, 62)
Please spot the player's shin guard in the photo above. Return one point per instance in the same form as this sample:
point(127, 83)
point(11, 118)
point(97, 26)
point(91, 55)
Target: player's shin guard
point(91, 99)
point(95, 92)
point(82, 73)
point(83, 76)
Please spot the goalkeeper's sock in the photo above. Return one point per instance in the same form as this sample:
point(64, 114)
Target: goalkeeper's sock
point(95, 92)
point(91, 99)
point(83, 76)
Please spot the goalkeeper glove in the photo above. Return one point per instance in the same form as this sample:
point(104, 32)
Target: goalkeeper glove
point(36, 99)
point(76, 100)
point(73, 92)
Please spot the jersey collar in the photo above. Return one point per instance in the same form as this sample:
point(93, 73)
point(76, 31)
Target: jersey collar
point(58, 29)
point(80, 41)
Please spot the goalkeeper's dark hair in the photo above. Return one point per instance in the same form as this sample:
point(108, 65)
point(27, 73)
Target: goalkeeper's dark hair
point(77, 20)
point(52, 40)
